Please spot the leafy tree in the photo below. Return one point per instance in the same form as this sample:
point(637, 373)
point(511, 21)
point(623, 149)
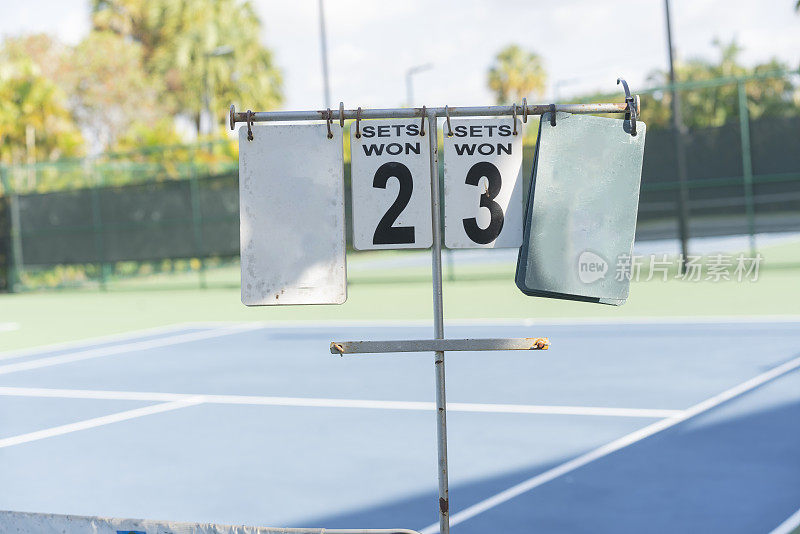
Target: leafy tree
point(516, 74)
point(109, 88)
point(179, 39)
point(30, 99)
point(715, 106)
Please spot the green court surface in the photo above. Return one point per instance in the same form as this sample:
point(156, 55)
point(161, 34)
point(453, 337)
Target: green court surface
point(382, 286)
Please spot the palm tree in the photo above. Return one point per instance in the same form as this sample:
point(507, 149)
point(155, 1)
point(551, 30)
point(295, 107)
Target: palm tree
point(516, 74)
point(179, 37)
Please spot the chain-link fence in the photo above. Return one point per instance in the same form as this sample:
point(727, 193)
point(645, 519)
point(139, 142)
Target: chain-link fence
point(86, 220)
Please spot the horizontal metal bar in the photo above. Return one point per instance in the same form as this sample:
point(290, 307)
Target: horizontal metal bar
point(435, 345)
point(407, 113)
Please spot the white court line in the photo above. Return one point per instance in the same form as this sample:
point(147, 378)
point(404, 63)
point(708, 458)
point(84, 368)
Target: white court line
point(110, 338)
point(466, 407)
point(555, 321)
point(789, 525)
point(97, 421)
point(624, 441)
point(290, 325)
point(123, 348)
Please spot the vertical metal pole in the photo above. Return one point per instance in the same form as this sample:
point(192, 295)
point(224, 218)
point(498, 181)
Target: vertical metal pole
point(324, 45)
point(99, 238)
point(15, 232)
point(747, 166)
point(680, 155)
point(197, 225)
point(438, 327)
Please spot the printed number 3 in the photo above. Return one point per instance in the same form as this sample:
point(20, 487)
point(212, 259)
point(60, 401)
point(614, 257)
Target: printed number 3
point(492, 174)
point(385, 233)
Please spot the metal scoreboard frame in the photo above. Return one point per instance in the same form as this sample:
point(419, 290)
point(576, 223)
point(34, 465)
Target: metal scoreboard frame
point(428, 127)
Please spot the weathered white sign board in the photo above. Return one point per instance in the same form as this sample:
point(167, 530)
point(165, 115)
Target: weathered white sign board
point(391, 185)
point(483, 184)
point(291, 202)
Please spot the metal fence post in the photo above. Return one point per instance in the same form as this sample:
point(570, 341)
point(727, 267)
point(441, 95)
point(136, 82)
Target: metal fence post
point(97, 230)
point(15, 266)
point(197, 225)
point(438, 327)
point(747, 166)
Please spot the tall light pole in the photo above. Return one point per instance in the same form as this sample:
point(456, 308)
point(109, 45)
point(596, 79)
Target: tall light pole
point(219, 51)
point(324, 46)
point(410, 81)
point(680, 153)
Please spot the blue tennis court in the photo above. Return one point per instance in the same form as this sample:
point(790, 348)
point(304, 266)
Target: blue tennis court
point(638, 426)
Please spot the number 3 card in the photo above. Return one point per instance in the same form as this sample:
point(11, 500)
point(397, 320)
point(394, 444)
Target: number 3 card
point(391, 185)
point(483, 184)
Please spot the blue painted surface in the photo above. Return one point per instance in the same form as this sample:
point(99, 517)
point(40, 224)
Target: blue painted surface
point(734, 469)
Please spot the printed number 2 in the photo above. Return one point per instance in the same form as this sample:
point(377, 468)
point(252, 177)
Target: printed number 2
point(492, 174)
point(385, 233)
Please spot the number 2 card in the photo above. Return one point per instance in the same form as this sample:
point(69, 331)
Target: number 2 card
point(391, 185)
point(483, 183)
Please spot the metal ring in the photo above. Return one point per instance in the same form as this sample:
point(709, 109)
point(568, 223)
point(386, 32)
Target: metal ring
point(328, 123)
point(233, 112)
point(249, 125)
point(552, 114)
point(422, 127)
point(358, 123)
point(525, 110)
point(514, 117)
point(630, 114)
point(341, 114)
point(449, 128)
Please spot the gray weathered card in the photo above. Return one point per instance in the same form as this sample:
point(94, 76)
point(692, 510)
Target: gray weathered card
point(581, 213)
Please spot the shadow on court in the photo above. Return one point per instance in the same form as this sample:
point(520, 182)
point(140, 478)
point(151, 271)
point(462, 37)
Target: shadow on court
point(721, 472)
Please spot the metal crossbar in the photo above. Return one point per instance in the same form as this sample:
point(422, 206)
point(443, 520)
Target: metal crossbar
point(438, 345)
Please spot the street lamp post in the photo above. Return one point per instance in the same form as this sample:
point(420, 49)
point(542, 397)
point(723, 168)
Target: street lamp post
point(410, 82)
point(219, 51)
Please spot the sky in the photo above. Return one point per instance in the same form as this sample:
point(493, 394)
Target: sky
point(585, 44)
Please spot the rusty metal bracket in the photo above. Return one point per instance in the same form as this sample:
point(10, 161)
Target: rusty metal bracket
point(422, 126)
point(525, 110)
point(552, 114)
point(358, 123)
point(632, 109)
point(341, 114)
point(449, 128)
point(249, 125)
point(514, 117)
point(328, 122)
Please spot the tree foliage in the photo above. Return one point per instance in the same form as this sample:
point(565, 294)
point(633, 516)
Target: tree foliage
point(109, 88)
point(705, 107)
point(516, 74)
point(30, 99)
point(714, 106)
point(179, 39)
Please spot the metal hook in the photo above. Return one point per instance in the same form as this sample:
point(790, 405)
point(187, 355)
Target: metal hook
point(449, 128)
point(514, 117)
point(631, 112)
point(525, 110)
point(422, 127)
point(358, 123)
point(249, 125)
point(341, 114)
point(552, 114)
point(328, 123)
